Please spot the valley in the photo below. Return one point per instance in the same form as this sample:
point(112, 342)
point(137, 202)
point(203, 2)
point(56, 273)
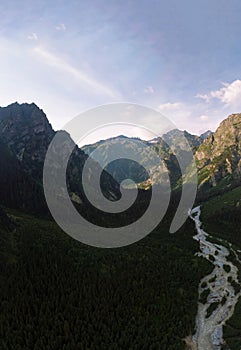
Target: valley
point(57, 293)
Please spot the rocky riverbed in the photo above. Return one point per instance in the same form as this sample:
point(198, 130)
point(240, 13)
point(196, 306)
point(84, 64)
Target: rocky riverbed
point(218, 292)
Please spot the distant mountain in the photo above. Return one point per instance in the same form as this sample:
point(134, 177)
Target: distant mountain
point(124, 168)
point(218, 156)
point(206, 134)
point(177, 136)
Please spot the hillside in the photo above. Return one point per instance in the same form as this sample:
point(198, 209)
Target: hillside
point(219, 157)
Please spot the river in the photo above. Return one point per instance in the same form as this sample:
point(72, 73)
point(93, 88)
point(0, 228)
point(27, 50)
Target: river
point(215, 290)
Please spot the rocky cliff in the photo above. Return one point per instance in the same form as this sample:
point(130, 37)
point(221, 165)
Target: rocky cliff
point(26, 131)
point(219, 156)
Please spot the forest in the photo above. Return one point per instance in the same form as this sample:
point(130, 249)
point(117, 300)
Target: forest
point(57, 293)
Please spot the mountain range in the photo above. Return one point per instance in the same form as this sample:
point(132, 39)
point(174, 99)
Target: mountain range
point(217, 155)
point(25, 134)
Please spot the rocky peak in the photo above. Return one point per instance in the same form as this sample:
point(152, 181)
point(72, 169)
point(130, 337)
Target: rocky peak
point(27, 132)
point(175, 136)
point(220, 154)
point(206, 134)
point(228, 134)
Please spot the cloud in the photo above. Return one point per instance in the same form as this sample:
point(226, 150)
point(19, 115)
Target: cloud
point(58, 63)
point(178, 112)
point(205, 97)
point(229, 94)
point(204, 117)
point(32, 36)
point(169, 107)
point(149, 90)
point(189, 116)
point(61, 27)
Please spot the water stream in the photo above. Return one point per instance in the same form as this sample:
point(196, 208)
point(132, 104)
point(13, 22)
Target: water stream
point(216, 291)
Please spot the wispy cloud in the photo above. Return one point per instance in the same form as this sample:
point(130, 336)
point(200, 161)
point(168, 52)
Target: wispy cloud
point(229, 94)
point(32, 36)
point(149, 90)
point(178, 112)
point(204, 117)
point(171, 107)
point(195, 118)
point(86, 80)
point(61, 27)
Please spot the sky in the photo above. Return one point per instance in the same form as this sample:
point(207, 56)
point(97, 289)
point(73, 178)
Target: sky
point(182, 58)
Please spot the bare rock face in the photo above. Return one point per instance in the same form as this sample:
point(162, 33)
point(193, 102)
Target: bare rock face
point(26, 131)
point(219, 156)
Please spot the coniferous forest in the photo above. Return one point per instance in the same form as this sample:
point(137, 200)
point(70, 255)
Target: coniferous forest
point(57, 293)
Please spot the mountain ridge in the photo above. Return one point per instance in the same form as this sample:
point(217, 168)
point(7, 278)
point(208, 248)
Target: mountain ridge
point(27, 133)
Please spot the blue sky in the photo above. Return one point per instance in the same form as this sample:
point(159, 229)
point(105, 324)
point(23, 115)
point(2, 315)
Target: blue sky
point(180, 57)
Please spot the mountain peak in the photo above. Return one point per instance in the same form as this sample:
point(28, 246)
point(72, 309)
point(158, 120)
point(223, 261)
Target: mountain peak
point(25, 109)
point(25, 129)
point(234, 119)
point(206, 134)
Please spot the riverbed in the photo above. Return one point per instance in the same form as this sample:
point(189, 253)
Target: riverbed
point(217, 295)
